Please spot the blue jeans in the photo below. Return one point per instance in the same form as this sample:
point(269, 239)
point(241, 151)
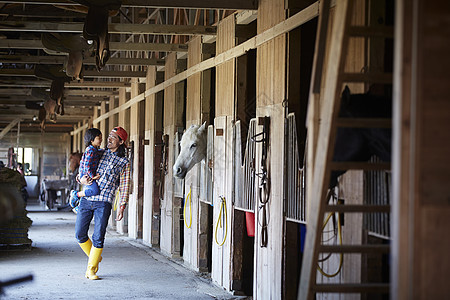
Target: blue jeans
point(92, 189)
point(100, 211)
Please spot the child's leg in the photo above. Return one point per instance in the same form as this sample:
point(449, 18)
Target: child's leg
point(90, 190)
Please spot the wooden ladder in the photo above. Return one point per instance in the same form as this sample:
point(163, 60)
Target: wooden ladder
point(334, 80)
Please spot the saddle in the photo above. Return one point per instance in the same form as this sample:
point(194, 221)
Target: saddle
point(55, 104)
point(74, 45)
point(96, 27)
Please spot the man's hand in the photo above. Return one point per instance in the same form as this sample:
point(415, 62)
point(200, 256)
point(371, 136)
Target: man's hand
point(120, 213)
point(86, 180)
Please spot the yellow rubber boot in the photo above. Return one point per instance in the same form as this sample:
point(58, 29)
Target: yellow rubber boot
point(86, 246)
point(94, 259)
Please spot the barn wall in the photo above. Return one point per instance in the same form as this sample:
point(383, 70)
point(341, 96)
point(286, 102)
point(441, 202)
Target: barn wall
point(270, 91)
point(192, 182)
point(222, 172)
point(150, 230)
point(136, 134)
point(421, 207)
point(171, 206)
point(122, 226)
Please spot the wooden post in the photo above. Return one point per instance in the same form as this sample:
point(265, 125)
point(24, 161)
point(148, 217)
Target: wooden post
point(136, 133)
point(421, 173)
point(270, 93)
point(171, 206)
point(223, 162)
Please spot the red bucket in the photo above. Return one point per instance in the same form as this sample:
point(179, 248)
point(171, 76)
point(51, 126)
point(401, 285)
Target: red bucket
point(250, 222)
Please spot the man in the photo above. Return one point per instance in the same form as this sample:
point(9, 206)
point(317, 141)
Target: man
point(114, 171)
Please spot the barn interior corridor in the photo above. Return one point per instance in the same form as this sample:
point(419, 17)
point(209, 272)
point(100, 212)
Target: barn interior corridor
point(129, 270)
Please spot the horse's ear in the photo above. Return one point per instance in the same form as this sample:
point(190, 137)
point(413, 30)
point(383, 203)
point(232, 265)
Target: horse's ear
point(202, 128)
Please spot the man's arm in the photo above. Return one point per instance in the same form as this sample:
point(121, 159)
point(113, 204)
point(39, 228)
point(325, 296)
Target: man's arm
point(124, 188)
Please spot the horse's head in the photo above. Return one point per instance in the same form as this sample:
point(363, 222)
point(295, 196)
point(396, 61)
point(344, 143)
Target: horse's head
point(193, 150)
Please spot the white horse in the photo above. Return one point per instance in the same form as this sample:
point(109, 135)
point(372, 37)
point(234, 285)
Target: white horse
point(193, 149)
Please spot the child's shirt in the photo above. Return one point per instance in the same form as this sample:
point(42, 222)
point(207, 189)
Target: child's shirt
point(89, 161)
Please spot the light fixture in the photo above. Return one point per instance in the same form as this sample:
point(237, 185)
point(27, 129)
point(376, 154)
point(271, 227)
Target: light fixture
point(35, 118)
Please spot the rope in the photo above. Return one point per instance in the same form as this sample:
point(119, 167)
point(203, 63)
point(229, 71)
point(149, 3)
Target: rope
point(223, 207)
point(190, 210)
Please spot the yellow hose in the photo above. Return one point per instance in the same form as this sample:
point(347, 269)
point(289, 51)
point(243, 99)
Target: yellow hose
point(341, 258)
point(223, 207)
point(190, 210)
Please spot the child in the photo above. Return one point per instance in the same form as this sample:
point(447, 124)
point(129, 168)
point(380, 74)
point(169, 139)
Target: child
point(88, 166)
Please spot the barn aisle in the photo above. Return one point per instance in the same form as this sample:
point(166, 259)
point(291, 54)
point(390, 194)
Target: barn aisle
point(129, 270)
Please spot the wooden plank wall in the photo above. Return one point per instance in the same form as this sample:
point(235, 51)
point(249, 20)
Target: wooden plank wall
point(135, 136)
point(421, 173)
point(222, 172)
point(149, 158)
point(192, 182)
point(166, 242)
point(173, 119)
point(122, 226)
point(270, 93)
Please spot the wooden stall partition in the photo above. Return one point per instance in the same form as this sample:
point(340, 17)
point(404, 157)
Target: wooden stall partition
point(170, 241)
point(152, 158)
point(223, 153)
point(112, 122)
point(421, 173)
point(136, 136)
point(270, 93)
point(122, 226)
point(192, 217)
point(103, 126)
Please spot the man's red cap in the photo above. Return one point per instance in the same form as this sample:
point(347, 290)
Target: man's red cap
point(121, 133)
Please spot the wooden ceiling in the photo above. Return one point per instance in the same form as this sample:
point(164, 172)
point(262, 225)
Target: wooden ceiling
point(141, 34)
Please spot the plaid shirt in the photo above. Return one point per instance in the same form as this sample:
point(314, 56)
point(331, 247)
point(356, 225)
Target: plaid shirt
point(89, 161)
point(114, 173)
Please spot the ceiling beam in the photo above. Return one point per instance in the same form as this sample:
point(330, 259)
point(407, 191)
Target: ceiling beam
point(86, 73)
point(56, 59)
point(224, 4)
point(68, 111)
point(114, 28)
point(68, 101)
point(114, 46)
point(74, 84)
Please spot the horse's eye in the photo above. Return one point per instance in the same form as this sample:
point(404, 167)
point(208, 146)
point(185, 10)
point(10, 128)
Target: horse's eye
point(193, 145)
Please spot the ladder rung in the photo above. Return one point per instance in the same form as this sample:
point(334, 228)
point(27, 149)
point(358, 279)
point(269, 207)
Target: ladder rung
point(352, 288)
point(385, 78)
point(358, 208)
point(364, 123)
point(385, 31)
point(354, 248)
point(355, 165)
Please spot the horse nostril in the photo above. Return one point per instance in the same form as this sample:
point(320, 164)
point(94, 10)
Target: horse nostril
point(179, 171)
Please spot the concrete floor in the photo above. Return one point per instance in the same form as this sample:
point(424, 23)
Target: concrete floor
point(129, 270)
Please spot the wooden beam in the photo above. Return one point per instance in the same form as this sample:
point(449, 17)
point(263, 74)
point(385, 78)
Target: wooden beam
point(86, 74)
point(114, 28)
point(114, 46)
point(224, 4)
point(287, 25)
point(9, 127)
point(74, 84)
point(68, 112)
point(58, 59)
